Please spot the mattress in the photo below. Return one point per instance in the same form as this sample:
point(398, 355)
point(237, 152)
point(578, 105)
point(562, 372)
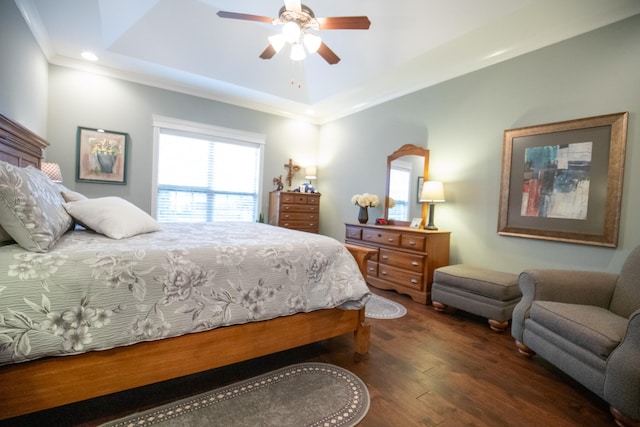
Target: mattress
point(91, 292)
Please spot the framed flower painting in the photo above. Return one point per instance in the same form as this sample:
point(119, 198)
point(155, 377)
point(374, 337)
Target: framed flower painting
point(101, 156)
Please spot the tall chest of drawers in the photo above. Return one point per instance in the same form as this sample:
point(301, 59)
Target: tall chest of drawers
point(298, 211)
point(405, 257)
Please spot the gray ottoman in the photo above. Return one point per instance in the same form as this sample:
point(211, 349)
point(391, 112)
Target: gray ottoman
point(486, 293)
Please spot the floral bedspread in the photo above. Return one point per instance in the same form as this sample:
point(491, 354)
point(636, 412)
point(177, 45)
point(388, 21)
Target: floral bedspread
point(91, 292)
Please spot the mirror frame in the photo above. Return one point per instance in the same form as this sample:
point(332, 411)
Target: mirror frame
point(406, 150)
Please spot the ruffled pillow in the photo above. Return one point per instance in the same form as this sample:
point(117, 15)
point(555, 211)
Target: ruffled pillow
point(31, 209)
point(112, 216)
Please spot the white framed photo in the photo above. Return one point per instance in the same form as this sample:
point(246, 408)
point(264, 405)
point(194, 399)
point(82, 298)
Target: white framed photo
point(416, 223)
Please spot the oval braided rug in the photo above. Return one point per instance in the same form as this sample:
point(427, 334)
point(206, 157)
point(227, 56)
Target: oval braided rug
point(305, 394)
point(382, 308)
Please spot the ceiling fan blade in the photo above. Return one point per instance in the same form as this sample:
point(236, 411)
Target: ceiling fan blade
point(344, 23)
point(244, 16)
point(328, 54)
point(293, 5)
point(268, 52)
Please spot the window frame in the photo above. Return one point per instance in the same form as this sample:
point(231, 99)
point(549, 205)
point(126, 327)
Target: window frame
point(209, 132)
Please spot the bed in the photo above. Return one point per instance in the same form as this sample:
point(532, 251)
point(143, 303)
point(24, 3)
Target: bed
point(91, 314)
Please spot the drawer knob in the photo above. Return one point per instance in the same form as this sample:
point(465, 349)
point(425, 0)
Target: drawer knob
point(390, 239)
point(370, 268)
point(385, 257)
point(415, 263)
point(414, 281)
point(286, 208)
point(411, 242)
point(384, 272)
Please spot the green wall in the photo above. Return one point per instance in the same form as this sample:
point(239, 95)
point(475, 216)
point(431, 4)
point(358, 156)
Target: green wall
point(23, 72)
point(462, 121)
point(77, 98)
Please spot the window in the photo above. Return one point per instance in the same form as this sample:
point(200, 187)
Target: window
point(205, 173)
point(399, 185)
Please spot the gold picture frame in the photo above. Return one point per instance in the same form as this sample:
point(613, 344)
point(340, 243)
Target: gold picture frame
point(563, 181)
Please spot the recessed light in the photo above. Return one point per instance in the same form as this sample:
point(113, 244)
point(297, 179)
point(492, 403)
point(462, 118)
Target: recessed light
point(90, 56)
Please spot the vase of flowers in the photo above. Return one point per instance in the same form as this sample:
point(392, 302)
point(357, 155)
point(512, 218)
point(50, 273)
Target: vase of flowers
point(106, 153)
point(365, 201)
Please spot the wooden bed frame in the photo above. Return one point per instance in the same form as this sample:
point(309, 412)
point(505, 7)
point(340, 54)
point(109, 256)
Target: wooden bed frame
point(55, 381)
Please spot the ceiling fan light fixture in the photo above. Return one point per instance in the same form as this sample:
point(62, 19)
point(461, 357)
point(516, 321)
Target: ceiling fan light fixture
point(311, 42)
point(277, 41)
point(297, 52)
point(291, 32)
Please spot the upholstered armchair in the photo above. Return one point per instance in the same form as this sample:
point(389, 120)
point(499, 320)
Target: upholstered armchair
point(588, 325)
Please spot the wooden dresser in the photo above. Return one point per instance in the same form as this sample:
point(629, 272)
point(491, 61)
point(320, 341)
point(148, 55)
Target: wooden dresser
point(405, 258)
point(298, 211)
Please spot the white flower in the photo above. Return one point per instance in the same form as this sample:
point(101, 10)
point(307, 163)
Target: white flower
point(392, 202)
point(365, 200)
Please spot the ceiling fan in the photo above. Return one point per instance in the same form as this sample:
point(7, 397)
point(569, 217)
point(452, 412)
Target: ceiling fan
point(298, 20)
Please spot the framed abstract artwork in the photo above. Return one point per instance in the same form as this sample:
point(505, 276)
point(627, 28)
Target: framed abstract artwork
point(101, 156)
point(563, 181)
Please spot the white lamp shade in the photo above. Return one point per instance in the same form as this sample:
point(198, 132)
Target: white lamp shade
point(312, 42)
point(291, 32)
point(52, 170)
point(432, 192)
point(310, 172)
point(297, 52)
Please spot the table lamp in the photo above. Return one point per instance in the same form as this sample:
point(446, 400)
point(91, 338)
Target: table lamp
point(432, 192)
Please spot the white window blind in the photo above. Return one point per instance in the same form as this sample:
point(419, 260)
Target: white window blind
point(206, 178)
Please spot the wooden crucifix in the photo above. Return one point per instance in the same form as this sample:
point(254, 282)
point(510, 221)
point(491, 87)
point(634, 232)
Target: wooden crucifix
point(292, 171)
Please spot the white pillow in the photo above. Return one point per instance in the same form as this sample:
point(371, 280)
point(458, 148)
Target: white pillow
point(112, 216)
point(70, 195)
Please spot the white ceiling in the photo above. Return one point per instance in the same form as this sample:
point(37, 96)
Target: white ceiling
point(184, 46)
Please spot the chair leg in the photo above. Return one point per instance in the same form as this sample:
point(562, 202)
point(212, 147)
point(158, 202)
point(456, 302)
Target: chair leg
point(438, 306)
point(498, 326)
point(524, 350)
point(622, 419)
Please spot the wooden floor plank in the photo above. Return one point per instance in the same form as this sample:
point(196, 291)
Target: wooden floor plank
point(425, 369)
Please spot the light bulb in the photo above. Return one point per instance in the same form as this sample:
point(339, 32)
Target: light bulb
point(277, 42)
point(291, 32)
point(297, 52)
point(312, 42)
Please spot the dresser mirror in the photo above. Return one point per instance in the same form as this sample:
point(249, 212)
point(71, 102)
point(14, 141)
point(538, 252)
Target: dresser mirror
point(407, 167)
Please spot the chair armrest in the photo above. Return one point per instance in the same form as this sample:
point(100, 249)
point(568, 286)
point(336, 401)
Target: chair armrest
point(569, 286)
point(622, 376)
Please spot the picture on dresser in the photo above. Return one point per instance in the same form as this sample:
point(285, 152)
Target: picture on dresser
point(416, 223)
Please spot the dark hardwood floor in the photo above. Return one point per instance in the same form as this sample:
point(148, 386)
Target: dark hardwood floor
point(425, 369)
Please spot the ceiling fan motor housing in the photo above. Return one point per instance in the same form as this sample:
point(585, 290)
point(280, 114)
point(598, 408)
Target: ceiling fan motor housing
point(305, 18)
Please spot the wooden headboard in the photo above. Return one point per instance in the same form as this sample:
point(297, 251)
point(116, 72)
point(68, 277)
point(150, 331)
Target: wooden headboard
point(18, 145)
